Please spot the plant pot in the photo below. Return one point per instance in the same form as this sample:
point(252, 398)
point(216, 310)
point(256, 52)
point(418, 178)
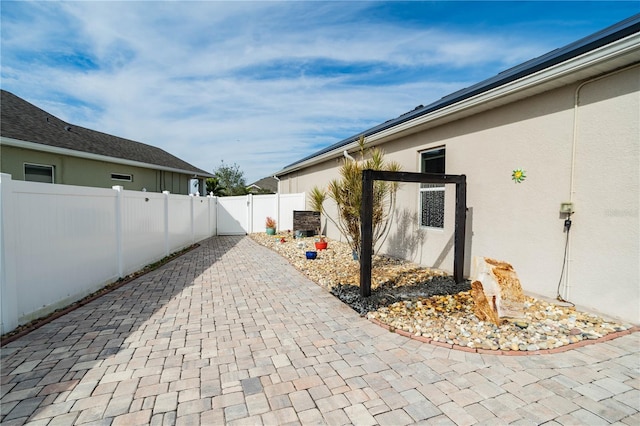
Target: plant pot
point(271, 231)
point(311, 255)
point(321, 245)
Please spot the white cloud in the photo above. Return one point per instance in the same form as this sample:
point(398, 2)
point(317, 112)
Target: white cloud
point(260, 84)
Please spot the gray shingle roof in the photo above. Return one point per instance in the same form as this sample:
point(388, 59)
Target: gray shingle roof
point(23, 121)
point(267, 183)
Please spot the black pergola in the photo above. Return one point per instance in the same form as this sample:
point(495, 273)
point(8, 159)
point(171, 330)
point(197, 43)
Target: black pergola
point(366, 218)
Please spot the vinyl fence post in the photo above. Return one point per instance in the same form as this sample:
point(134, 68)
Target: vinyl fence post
point(249, 229)
point(8, 261)
point(278, 216)
point(215, 215)
point(192, 220)
point(118, 216)
point(209, 229)
point(166, 223)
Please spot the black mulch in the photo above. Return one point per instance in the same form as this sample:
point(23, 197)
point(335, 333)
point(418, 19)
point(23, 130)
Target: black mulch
point(387, 294)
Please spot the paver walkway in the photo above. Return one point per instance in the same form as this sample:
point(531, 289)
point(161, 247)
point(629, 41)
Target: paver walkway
point(230, 333)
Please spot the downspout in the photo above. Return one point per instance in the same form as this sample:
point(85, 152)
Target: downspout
point(574, 144)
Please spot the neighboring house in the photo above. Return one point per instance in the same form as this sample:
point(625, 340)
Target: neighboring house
point(571, 120)
point(268, 185)
point(36, 146)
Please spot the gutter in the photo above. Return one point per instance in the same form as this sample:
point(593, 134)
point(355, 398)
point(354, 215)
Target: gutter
point(489, 98)
point(547, 75)
point(97, 157)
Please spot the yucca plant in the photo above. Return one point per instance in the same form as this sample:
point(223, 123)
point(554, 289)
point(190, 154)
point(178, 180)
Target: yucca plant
point(346, 192)
point(317, 197)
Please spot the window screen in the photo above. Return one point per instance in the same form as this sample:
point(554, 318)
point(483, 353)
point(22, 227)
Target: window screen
point(432, 194)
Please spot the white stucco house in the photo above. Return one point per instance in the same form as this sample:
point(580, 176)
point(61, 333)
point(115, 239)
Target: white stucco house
point(570, 120)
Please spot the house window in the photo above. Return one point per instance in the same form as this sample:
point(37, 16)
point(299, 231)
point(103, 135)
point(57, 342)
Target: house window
point(38, 173)
point(119, 176)
point(432, 194)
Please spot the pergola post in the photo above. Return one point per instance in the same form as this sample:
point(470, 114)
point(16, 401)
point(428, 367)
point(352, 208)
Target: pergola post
point(460, 229)
point(366, 233)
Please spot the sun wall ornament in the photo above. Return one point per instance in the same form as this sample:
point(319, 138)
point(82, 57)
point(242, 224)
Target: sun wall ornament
point(518, 175)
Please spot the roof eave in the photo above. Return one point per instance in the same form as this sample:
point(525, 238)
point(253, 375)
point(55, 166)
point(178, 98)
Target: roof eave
point(97, 157)
point(518, 89)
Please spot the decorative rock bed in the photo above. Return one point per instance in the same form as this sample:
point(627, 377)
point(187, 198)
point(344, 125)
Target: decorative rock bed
point(428, 305)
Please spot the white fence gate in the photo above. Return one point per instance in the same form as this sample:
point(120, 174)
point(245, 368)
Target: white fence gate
point(246, 214)
point(233, 215)
point(59, 243)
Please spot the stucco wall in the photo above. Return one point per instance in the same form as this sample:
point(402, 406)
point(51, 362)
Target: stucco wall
point(605, 247)
point(79, 171)
point(521, 223)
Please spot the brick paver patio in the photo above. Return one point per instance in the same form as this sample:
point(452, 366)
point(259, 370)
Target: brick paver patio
point(230, 333)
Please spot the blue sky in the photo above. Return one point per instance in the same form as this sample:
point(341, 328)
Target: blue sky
point(263, 84)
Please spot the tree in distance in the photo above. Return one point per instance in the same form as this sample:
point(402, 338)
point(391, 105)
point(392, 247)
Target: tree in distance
point(230, 180)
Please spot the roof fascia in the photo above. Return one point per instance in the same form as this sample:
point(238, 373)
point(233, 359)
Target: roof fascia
point(89, 156)
point(548, 75)
point(483, 100)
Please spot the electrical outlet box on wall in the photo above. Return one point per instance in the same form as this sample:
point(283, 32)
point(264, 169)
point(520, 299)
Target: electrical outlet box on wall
point(566, 208)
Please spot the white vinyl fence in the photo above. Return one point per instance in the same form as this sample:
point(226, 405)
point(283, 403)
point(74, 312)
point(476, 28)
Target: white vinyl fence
point(59, 243)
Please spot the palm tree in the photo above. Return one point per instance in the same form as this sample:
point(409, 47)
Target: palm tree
point(214, 188)
point(346, 192)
